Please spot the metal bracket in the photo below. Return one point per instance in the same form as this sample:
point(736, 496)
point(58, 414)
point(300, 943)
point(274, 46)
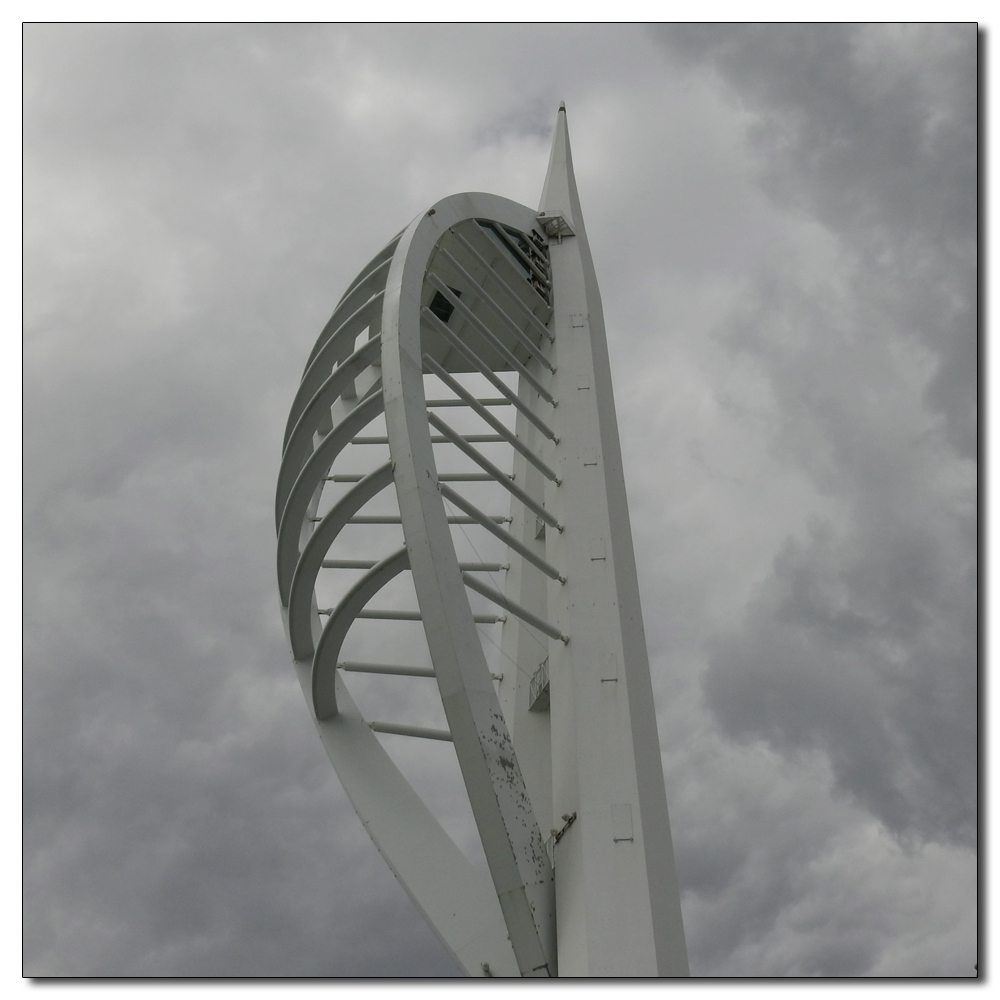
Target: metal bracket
point(538, 691)
point(555, 225)
point(557, 835)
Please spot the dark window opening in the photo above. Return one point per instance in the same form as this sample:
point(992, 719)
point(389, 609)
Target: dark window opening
point(441, 307)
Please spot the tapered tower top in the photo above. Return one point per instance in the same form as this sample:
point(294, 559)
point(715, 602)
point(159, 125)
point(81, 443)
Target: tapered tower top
point(559, 194)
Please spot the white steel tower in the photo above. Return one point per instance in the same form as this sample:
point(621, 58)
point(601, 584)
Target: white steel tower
point(558, 753)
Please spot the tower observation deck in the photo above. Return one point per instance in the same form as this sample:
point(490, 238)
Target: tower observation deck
point(463, 389)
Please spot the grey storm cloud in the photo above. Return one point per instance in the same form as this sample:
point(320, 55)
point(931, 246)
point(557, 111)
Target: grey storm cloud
point(864, 641)
point(875, 133)
point(784, 225)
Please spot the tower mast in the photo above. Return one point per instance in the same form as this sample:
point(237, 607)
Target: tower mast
point(617, 900)
point(561, 760)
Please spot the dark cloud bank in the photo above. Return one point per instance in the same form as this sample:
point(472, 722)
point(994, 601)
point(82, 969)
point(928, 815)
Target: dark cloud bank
point(784, 220)
point(864, 645)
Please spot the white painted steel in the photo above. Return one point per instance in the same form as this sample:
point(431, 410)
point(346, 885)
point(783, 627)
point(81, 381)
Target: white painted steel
point(455, 898)
point(512, 842)
point(617, 896)
point(562, 761)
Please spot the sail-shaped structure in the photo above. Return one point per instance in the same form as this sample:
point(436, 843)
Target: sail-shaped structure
point(475, 341)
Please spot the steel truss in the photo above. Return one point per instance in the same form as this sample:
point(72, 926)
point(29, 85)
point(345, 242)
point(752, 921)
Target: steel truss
point(559, 754)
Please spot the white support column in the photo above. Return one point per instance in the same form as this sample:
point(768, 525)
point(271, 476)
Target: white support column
point(512, 842)
point(526, 650)
point(617, 902)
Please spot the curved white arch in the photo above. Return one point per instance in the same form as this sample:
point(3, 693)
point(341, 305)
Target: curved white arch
point(310, 479)
point(336, 349)
point(370, 279)
point(389, 299)
point(299, 447)
point(512, 841)
point(324, 663)
point(310, 562)
point(456, 899)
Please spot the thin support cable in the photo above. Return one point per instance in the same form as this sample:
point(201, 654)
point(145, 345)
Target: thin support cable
point(507, 434)
point(487, 334)
point(477, 362)
point(483, 633)
point(487, 466)
point(505, 536)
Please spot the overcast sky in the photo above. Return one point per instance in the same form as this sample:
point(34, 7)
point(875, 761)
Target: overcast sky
point(783, 221)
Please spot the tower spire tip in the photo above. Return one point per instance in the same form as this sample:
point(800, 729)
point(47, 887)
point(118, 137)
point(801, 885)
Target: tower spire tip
point(557, 196)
